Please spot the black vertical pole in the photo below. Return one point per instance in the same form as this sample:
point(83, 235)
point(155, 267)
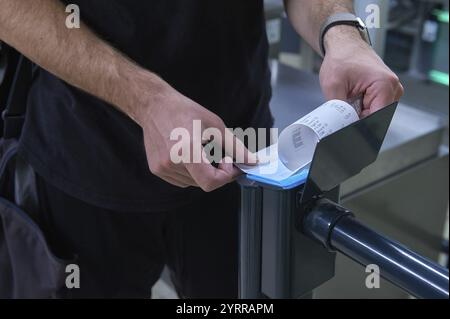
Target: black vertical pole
point(250, 243)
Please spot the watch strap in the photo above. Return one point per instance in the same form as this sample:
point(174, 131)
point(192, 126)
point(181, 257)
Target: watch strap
point(343, 19)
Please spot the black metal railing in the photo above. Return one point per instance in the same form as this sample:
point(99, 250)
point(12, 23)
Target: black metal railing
point(338, 230)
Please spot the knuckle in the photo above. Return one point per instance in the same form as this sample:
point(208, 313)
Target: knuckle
point(394, 79)
point(217, 182)
point(156, 169)
point(166, 164)
point(209, 185)
point(330, 83)
point(207, 188)
point(216, 121)
point(402, 89)
point(161, 167)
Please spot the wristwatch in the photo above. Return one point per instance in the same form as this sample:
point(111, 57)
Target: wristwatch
point(343, 19)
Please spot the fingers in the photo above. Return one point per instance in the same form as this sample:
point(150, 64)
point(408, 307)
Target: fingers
point(174, 181)
point(227, 165)
point(381, 99)
point(232, 145)
point(368, 75)
point(198, 171)
point(209, 178)
point(383, 93)
point(365, 113)
point(235, 148)
point(400, 92)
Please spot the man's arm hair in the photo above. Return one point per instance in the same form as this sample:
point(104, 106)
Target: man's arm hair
point(307, 17)
point(38, 30)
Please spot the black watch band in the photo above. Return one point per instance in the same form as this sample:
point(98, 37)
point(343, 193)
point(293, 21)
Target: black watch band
point(343, 19)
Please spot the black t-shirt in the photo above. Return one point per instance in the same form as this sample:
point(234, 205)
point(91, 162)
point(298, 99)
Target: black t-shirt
point(213, 51)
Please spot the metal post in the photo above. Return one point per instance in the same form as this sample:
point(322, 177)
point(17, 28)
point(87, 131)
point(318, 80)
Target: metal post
point(276, 260)
point(250, 243)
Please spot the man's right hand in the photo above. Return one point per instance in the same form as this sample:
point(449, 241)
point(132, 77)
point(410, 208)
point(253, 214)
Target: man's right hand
point(171, 110)
point(82, 59)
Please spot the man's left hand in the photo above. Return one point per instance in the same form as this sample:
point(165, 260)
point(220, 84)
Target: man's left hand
point(352, 68)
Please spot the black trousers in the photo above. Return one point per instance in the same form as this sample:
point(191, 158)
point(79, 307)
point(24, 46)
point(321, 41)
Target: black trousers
point(122, 254)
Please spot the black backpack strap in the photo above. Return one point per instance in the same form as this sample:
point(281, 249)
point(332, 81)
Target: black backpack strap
point(14, 113)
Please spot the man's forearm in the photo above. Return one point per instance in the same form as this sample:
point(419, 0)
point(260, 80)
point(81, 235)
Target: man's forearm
point(308, 16)
point(37, 29)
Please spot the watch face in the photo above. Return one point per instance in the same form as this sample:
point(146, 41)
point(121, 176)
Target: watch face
point(361, 23)
point(364, 31)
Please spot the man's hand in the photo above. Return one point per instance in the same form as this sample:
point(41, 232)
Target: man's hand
point(82, 59)
point(171, 110)
point(351, 68)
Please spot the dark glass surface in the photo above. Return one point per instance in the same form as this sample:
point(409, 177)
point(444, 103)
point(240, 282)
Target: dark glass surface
point(346, 152)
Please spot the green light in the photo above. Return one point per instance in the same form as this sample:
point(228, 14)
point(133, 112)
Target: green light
point(441, 15)
point(439, 77)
